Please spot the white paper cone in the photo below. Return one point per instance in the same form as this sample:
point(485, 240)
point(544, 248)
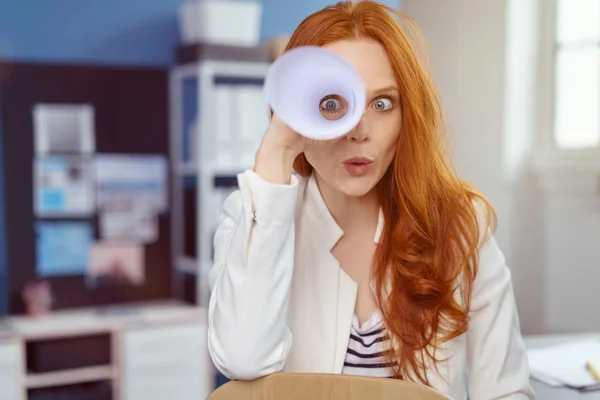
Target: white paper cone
point(298, 81)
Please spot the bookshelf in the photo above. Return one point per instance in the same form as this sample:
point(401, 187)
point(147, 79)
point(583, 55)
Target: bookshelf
point(218, 117)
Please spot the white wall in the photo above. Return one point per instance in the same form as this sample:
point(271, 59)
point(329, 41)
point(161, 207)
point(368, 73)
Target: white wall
point(572, 268)
point(524, 218)
point(485, 58)
point(467, 68)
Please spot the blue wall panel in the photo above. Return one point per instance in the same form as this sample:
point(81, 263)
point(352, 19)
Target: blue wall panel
point(131, 32)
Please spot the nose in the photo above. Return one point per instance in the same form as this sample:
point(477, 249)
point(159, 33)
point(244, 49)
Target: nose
point(360, 133)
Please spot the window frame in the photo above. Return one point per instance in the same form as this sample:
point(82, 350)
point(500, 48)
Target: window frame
point(548, 155)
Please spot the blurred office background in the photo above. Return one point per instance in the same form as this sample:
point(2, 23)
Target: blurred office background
point(123, 124)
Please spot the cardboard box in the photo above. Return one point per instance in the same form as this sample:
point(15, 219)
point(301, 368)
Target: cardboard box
point(297, 386)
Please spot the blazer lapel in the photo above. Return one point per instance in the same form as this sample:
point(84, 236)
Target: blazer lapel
point(346, 305)
point(348, 290)
point(326, 293)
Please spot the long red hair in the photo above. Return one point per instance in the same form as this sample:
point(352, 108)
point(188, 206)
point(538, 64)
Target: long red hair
point(426, 262)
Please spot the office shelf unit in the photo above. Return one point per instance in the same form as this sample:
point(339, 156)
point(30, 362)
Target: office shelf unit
point(153, 350)
point(197, 147)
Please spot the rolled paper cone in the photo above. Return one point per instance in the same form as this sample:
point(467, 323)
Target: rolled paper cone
point(301, 78)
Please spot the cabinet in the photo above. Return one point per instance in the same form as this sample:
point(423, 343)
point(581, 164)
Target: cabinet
point(156, 351)
point(11, 387)
point(161, 361)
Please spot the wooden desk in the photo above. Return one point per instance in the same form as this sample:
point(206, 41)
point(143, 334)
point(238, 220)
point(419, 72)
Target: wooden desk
point(544, 392)
point(157, 349)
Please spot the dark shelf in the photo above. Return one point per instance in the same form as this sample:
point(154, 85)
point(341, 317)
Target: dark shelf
point(82, 391)
point(69, 353)
point(204, 51)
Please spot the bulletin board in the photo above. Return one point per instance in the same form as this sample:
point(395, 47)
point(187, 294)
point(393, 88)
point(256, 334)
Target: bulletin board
point(130, 107)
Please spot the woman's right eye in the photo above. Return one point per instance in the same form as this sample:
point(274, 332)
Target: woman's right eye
point(333, 107)
point(330, 104)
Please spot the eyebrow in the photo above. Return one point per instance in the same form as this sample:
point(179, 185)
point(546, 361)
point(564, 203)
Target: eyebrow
point(386, 89)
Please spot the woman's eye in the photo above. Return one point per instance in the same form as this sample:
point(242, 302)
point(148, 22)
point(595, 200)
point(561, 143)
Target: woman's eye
point(333, 107)
point(382, 104)
point(330, 104)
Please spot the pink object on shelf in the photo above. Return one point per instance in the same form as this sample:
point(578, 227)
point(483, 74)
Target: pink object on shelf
point(38, 298)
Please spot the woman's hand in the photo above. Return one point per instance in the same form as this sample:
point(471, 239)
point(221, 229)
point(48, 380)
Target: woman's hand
point(278, 150)
point(281, 135)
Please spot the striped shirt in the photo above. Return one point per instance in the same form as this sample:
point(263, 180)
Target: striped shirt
point(368, 349)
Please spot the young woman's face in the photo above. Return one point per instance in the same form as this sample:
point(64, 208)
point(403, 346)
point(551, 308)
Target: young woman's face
point(355, 163)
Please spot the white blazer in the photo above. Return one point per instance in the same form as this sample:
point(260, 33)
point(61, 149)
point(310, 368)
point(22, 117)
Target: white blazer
point(280, 301)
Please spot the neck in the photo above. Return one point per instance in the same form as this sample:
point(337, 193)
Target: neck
point(350, 212)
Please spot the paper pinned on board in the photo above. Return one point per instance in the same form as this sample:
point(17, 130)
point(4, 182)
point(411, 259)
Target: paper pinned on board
point(131, 182)
point(116, 263)
point(565, 364)
point(64, 128)
point(131, 226)
point(64, 187)
point(62, 248)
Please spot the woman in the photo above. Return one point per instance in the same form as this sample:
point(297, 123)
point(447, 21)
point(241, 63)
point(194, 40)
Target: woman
point(374, 258)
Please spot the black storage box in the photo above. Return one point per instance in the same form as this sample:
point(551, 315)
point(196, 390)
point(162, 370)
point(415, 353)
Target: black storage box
point(68, 353)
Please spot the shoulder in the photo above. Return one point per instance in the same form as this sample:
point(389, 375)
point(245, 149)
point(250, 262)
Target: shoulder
point(484, 263)
point(485, 218)
point(487, 247)
point(491, 271)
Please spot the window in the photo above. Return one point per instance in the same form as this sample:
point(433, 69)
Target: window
point(576, 117)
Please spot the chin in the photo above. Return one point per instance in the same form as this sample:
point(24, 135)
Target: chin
point(356, 187)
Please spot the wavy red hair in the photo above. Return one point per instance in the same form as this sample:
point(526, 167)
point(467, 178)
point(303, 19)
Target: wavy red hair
point(426, 262)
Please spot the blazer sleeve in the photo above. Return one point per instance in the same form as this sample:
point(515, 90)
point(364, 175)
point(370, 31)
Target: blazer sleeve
point(498, 367)
point(250, 280)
